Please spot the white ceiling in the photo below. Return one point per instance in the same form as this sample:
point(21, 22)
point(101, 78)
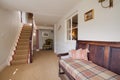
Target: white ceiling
point(46, 12)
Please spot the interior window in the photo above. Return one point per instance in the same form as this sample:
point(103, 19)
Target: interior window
point(72, 28)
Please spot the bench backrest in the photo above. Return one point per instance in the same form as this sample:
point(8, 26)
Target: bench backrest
point(105, 54)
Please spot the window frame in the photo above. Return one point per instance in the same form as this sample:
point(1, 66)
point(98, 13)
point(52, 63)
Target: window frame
point(71, 28)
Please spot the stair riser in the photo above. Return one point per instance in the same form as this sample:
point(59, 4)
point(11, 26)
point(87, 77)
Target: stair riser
point(21, 55)
point(24, 37)
point(21, 48)
point(18, 62)
point(23, 40)
point(27, 30)
point(21, 52)
point(25, 34)
point(19, 58)
point(22, 44)
point(27, 27)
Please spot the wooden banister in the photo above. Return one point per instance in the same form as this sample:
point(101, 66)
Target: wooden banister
point(31, 44)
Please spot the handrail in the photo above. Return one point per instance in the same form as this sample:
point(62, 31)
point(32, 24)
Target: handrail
point(30, 44)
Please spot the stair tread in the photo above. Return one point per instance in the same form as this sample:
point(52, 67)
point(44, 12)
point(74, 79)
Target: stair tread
point(20, 56)
point(23, 50)
point(24, 54)
point(23, 45)
point(29, 30)
point(20, 60)
point(23, 35)
point(23, 61)
point(24, 40)
point(25, 32)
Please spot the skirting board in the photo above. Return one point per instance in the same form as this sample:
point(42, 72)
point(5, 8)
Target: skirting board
point(3, 65)
point(14, 46)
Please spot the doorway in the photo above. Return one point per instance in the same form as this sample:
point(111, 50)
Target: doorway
point(46, 38)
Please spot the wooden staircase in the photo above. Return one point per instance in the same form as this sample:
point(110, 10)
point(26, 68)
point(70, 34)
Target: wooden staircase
point(22, 52)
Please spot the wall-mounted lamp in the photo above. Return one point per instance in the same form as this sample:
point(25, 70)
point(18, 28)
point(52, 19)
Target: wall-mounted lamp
point(108, 6)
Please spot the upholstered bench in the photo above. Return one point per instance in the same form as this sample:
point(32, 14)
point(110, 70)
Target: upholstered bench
point(103, 62)
point(84, 70)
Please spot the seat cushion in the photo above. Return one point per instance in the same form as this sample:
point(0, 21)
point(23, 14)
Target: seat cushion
point(84, 70)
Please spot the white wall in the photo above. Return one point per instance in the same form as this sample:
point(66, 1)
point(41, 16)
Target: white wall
point(45, 27)
point(9, 31)
point(55, 37)
point(62, 45)
point(24, 17)
point(104, 26)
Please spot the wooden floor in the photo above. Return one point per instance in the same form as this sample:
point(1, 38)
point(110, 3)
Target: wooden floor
point(44, 67)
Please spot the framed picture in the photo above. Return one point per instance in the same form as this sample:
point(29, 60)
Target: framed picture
point(89, 15)
point(45, 34)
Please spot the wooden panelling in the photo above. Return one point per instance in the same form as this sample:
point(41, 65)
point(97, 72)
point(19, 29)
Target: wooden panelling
point(81, 45)
point(105, 54)
point(96, 54)
point(114, 60)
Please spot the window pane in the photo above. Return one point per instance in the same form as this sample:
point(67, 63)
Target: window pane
point(74, 34)
point(69, 35)
point(74, 21)
point(69, 24)
point(69, 29)
point(75, 27)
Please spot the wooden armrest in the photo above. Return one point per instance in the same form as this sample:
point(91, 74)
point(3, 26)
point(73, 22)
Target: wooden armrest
point(62, 54)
